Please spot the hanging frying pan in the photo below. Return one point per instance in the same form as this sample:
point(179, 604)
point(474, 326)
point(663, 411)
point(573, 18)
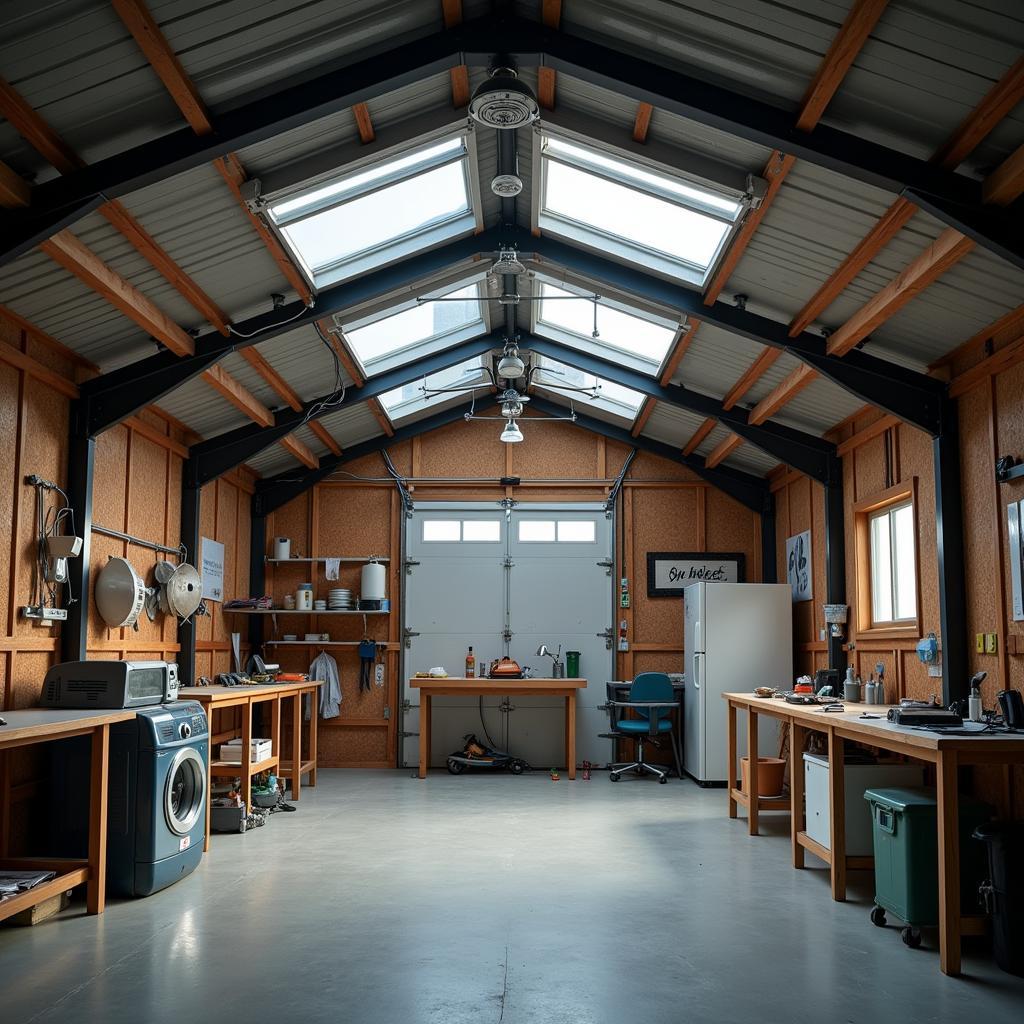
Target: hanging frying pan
point(184, 591)
point(119, 593)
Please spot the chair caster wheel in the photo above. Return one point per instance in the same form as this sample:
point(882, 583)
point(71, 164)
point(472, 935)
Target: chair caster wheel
point(911, 937)
point(878, 917)
point(663, 780)
point(614, 776)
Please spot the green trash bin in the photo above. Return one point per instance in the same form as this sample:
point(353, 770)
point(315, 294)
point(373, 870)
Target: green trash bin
point(572, 664)
point(905, 834)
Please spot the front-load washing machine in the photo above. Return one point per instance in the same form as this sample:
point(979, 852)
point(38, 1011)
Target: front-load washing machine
point(156, 799)
point(156, 819)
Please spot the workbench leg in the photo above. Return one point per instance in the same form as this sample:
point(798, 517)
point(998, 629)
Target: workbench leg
point(753, 785)
point(245, 768)
point(949, 861)
point(796, 790)
point(275, 732)
point(208, 708)
point(297, 744)
point(314, 712)
point(424, 734)
point(96, 889)
point(837, 813)
point(5, 803)
point(730, 755)
point(570, 734)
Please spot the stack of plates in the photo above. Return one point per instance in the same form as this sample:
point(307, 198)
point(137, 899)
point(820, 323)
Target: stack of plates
point(319, 605)
point(290, 637)
point(339, 599)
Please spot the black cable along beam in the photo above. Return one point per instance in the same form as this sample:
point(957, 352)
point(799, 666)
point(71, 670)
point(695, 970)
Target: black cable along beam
point(331, 88)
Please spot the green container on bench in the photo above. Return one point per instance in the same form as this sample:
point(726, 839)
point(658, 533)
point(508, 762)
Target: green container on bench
point(905, 833)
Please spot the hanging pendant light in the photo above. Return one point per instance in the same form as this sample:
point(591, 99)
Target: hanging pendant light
point(511, 434)
point(504, 102)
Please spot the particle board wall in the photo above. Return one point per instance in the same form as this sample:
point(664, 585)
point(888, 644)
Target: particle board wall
point(663, 507)
point(137, 490)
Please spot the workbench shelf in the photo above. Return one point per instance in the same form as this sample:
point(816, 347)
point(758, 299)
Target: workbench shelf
point(229, 769)
point(348, 559)
point(323, 643)
point(299, 611)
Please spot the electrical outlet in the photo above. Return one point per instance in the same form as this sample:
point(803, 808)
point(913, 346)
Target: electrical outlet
point(991, 643)
point(44, 614)
point(378, 674)
point(979, 643)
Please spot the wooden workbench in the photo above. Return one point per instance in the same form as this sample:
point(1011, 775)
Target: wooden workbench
point(946, 753)
point(219, 698)
point(43, 725)
point(459, 686)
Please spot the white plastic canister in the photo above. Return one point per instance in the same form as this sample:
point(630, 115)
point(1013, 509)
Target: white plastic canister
point(373, 582)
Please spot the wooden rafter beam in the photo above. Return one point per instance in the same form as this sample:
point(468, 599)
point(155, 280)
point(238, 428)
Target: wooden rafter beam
point(1006, 182)
point(751, 377)
point(643, 416)
point(381, 416)
point(14, 189)
point(846, 45)
point(947, 249)
point(364, 124)
point(341, 350)
point(682, 342)
point(698, 436)
point(77, 258)
point(1008, 324)
point(36, 132)
point(642, 122)
point(238, 395)
point(325, 436)
point(551, 16)
point(276, 382)
point(460, 85)
point(451, 11)
point(782, 393)
point(20, 323)
point(301, 451)
point(723, 450)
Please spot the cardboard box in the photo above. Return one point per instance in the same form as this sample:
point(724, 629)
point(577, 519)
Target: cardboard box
point(259, 750)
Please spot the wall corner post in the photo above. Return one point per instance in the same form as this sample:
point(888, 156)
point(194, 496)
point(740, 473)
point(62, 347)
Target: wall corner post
point(74, 635)
point(257, 569)
point(191, 495)
point(835, 559)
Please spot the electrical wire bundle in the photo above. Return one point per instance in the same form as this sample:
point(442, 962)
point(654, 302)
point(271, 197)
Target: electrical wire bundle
point(49, 523)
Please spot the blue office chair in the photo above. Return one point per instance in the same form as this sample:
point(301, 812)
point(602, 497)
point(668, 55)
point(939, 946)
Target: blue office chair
point(652, 697)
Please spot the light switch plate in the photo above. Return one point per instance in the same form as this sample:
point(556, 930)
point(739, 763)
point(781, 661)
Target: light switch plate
point(378, 674)
point(979, 643)
point(991, 645)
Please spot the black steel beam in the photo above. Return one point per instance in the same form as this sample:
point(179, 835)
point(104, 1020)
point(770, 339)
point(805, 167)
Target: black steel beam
point(835, 566)
point(804, 452)
point(769, 554)
point(211, 458)
point(114, 396)
point(257, 572)
point(256, 118)
point(74, 633)
point(997, 228)
point(22, 230)
point(950, 545)
point(190, 518)
point(907, 394)
point(275, 491)
point(745, 488)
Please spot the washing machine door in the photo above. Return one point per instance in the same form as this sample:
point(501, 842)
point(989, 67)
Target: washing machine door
point(185, 791)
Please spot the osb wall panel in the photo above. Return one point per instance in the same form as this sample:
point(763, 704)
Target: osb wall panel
point(671, 509)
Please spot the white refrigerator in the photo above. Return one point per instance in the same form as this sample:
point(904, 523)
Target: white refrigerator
point(737, 636)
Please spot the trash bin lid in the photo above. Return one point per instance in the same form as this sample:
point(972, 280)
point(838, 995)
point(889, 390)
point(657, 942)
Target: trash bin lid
point(990, 831)
point(900, 798)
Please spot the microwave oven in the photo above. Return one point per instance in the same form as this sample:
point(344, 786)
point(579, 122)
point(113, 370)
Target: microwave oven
point(109, 685)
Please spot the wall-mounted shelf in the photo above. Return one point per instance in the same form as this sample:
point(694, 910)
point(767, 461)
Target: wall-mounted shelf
point(346, 560)
point(323, 643)
point(298, 611)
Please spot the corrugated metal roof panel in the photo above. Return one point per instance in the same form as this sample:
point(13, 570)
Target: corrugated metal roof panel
point(716, 437)
point(352, 424)
point(672, 425)
point(819, 407)
point(202, 409)
point(273, 460)
point(715, 360)
point(772, 377)
point(304, 362)
point(249, 378)
point(751, 460)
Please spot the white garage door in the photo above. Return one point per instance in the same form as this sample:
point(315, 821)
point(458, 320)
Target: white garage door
point(509, 578)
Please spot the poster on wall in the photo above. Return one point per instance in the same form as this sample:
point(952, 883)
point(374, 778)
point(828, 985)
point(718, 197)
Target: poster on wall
point(1015, 516)
point(798, 565)
point(212, 555)
point(669, 571)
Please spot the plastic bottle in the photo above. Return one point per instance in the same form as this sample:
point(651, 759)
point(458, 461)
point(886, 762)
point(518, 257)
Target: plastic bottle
point(974, 705)
point(470, 664)
point(880, 692)
point(871, 691)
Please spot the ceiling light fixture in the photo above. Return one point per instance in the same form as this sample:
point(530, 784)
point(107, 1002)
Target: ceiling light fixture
point(503, 101)
point(507, 186)
point(511, 434)
point(511, 365)
point(508, 262)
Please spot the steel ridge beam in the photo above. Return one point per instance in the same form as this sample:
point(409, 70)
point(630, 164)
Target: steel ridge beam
point(118, 394)
point(258, 118)
point(214, 456)
point(23, 229)
point(905, 393)
point(807, 453)
point(749, 490)
point(278, 490)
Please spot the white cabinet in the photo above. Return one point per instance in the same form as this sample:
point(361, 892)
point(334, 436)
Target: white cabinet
point(858, 777)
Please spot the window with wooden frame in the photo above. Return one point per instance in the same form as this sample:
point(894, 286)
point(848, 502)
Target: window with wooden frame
point(887, 576)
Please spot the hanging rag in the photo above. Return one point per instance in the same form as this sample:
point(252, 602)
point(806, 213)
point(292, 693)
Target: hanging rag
point(367, 658)
point(333, 567)
point(325, 668)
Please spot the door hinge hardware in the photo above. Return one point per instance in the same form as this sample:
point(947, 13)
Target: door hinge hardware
point(508, 563)
point(507, 635)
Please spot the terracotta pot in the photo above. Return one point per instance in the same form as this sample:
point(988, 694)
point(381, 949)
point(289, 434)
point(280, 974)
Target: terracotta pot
point(770, 773)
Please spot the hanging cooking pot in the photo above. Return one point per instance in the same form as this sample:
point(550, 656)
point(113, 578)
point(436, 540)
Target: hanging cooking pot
point(184, 591)
point(119, 593)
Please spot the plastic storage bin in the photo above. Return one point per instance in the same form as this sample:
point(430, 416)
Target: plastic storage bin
point(905, 833)
point(1004, 891)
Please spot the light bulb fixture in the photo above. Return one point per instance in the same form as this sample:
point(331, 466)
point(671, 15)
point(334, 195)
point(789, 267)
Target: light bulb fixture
point(511, 365)
point(504, 102)
point(511, 434)
point(511, 409)
point(507, 186)
point(508, 262)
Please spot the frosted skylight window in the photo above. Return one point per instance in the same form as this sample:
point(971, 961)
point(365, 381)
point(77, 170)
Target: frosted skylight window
point(370, 217)
point(643, 337)
point(612, 397)
point(644, 216)
point(411, 398)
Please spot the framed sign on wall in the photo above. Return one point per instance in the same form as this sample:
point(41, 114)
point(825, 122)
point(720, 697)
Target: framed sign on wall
point(668, 572)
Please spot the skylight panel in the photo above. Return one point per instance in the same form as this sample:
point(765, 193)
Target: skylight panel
point(418, 330)
point(572, 321)
point(612, 397)
point(365, 219)
point(632, 212)
point(411, 398)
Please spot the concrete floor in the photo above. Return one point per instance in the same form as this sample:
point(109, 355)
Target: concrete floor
point(386, 900)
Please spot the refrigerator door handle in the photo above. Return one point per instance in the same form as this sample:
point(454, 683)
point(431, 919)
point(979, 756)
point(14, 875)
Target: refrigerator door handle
point(696, 673)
